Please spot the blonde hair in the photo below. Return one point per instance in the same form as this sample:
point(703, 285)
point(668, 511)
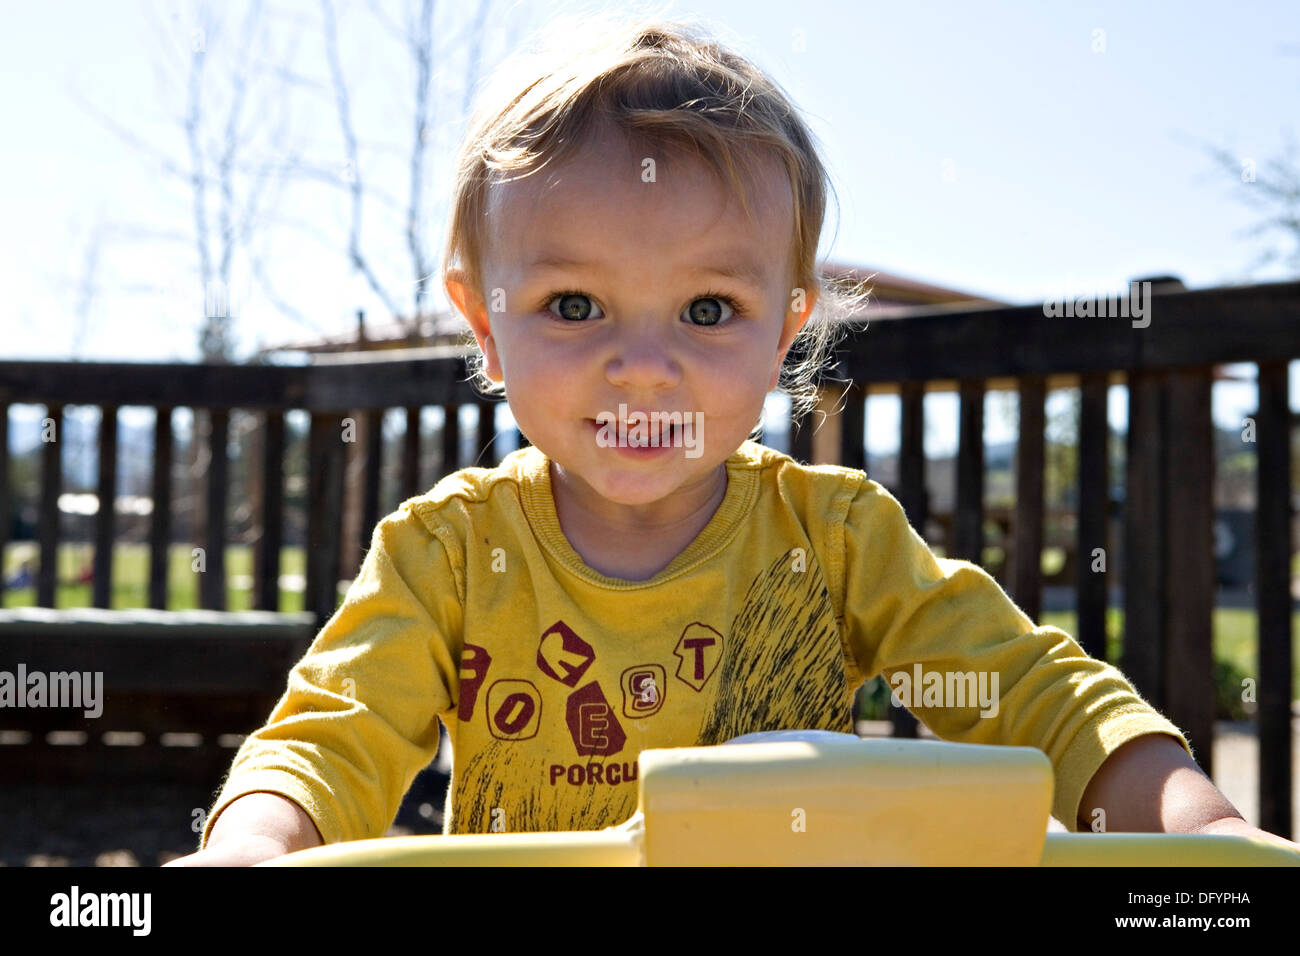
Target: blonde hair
point(663, 83)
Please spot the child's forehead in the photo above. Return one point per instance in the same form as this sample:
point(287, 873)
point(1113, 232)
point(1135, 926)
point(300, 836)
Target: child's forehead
point(652, 197)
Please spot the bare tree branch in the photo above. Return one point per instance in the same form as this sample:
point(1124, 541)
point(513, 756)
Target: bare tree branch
point(1274, 190)
point(257, 265)
point(88, 287)
point(350, 147)
point(385, 21)
point(421, 48)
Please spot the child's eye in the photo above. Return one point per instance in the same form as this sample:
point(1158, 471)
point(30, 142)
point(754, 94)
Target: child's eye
point(574, 306)
point(710, 310)
point(707, 311)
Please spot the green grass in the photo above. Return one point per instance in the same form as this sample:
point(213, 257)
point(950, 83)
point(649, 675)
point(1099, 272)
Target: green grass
point(1235, 638)
point(131, 577)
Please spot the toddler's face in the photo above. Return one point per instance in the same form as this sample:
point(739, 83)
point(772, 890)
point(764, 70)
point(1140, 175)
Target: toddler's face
point(637, 313)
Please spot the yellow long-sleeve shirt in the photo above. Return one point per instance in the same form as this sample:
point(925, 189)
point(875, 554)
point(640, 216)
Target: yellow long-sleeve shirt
point(472, 608)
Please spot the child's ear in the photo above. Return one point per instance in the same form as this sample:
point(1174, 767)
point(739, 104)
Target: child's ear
point(794, 321)
point(470, 304)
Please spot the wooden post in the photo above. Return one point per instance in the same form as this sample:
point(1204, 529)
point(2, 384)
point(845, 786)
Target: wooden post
point(4, 482)
point(325, 489)
point(968, 522)
point(267, 580)
point(1273, 597)
point(411, 454)
point(450, 440)
point(47, 528)
point(1093, 513)
point(160, 521)
point(853, 452)
point(913, 497)
point(487, 433)
point(105, 516)
point(1190, 577)
point(1027, 545)
point(1145, 601)
point(801, 438)
point(351, 536)
point(374, 475)
point(826, 440)
point(212, 580)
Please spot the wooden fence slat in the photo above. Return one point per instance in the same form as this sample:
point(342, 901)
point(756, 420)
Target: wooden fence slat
point(1190, 569)
point(912, 495)
point(487, 433)
point(450, 441)
point(853, 452)
point(4, 481)
point(1145, 601)
point(212, 579)
point(160, 521)
point(315, 507)
point(1027, 544)
point(968, 522)
point(47, 529)
point(411, 454)
point(1273, 597)
point(1093, 513)
point(374, 475)
point(801, 438)
point(325, 486)
point(105, 517)
point(356, 444)
point(912, 492)
point(266, 595)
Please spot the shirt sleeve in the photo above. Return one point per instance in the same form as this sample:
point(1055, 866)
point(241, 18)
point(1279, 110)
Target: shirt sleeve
point(359, 719)
point(906, 607)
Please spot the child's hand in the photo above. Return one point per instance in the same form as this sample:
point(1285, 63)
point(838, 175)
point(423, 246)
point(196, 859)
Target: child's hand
point(256, 827)
point(1235, 826)
point(234, 851)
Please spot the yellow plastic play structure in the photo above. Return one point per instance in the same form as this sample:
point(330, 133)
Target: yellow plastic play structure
point(814, 798)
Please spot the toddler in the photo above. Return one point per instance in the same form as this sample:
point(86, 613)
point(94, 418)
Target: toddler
point(633, 242)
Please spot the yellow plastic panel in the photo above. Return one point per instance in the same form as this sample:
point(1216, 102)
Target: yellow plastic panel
point(859, 802)
point(600, 848)
point(1163, 849)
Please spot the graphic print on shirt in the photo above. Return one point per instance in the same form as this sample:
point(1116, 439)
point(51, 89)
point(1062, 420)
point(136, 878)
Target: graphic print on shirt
point(784, 666)
point(780, 666)
point(644, 690)
point(500, 783)
point(698, 651)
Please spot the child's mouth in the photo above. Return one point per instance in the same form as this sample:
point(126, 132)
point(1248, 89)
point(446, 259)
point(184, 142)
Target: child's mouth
point(629, 441)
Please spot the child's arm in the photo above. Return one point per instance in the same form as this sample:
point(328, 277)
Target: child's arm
point(1109, 748)
point(360, 715)
point(1150, 784)
point(254, 828)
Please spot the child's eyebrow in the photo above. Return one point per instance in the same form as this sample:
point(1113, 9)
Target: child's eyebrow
point(741, 268)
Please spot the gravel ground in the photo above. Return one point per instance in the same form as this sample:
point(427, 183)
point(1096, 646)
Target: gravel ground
point(140, 825)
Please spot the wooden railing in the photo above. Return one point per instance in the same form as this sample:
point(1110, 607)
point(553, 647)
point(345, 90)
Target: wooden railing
point(1169, 573)
point(1167, 367)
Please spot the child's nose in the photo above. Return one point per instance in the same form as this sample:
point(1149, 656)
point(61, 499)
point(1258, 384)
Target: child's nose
point(643, 360)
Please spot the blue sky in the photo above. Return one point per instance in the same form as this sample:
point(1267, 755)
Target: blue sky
point(985, 146)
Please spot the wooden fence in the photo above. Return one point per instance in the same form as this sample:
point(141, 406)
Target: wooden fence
point(1166, 366)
